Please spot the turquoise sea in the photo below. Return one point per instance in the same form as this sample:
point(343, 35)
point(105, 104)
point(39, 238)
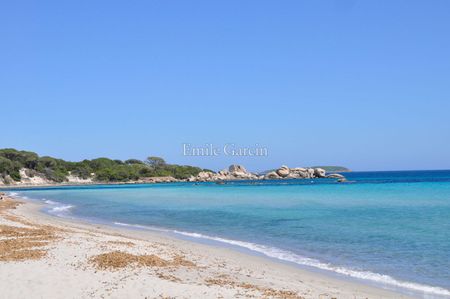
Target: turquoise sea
point(386, 228)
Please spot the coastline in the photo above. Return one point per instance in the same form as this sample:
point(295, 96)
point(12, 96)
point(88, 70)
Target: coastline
point(233, 173)
point(218, 271)
point(26, 186)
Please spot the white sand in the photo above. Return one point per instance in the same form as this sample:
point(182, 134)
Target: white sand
point(65, 272)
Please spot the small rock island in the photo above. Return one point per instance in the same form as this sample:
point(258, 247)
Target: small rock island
point(238, 172)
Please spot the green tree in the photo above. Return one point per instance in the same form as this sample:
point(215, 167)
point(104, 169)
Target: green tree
point(11, 168)
point(105, 169)
point(133, 161)
point(101, 163)
point(6, 165)
point(24, 158)
point(155, 161)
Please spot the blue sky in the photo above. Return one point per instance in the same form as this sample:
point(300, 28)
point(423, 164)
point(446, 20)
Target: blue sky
point(364, 84)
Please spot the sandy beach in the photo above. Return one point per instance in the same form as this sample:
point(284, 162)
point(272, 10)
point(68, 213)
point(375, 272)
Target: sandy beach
point(42, 256)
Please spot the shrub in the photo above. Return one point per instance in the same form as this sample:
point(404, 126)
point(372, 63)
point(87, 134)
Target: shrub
point(11, 161)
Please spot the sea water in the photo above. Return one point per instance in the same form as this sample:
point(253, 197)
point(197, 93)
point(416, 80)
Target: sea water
point(389, 228)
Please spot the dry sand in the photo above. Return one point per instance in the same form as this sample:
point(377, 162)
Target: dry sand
point(47, 257)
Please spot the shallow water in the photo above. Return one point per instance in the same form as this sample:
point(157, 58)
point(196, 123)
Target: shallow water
point(386, 227)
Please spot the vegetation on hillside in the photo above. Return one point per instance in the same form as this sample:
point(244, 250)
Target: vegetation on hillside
point(100, 169)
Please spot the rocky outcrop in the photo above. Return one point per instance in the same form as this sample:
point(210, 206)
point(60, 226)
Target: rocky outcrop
point(30, 177)
point(27, 178)
point(234, 172)
point(335, 176)
point(340, 178)
point(300, 173)
point(238, 172)
point(159, 179)
point(319, 173)
point(71, 179)
point(272, 175)
point(237, 168)
point(283, 171)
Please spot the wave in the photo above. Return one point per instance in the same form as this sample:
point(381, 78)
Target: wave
point(57, 208)
point(60, 210)
point(146, 227)
point(17, 195)
point(50, 202)
point(288, 256)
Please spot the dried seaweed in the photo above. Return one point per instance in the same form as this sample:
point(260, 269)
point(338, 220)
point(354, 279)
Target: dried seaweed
point(120, 259)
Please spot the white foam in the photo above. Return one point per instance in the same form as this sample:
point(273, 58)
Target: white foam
point(288, 256)
point(142, 227)
point(17, 195)
point(61, 210)
point(300, 260)
point(273, 252)
point(50, 202)
point(57, 208)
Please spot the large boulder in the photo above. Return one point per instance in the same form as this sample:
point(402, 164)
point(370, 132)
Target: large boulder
point(292, 175)
point(237, 168)
point(240, 173)
point(298, 172)
point(235, 172)
point(224, 172)
point(202, 176)
point(283, 171)
point(310, 173)
point(319, 173)
point(271, 175)
point(335, 176)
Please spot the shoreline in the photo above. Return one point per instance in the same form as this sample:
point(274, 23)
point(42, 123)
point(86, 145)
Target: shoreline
point(265, 272)
point(32, 186)
point(232, 174)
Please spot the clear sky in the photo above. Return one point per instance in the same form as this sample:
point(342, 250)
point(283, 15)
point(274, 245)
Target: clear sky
point(364, 84)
